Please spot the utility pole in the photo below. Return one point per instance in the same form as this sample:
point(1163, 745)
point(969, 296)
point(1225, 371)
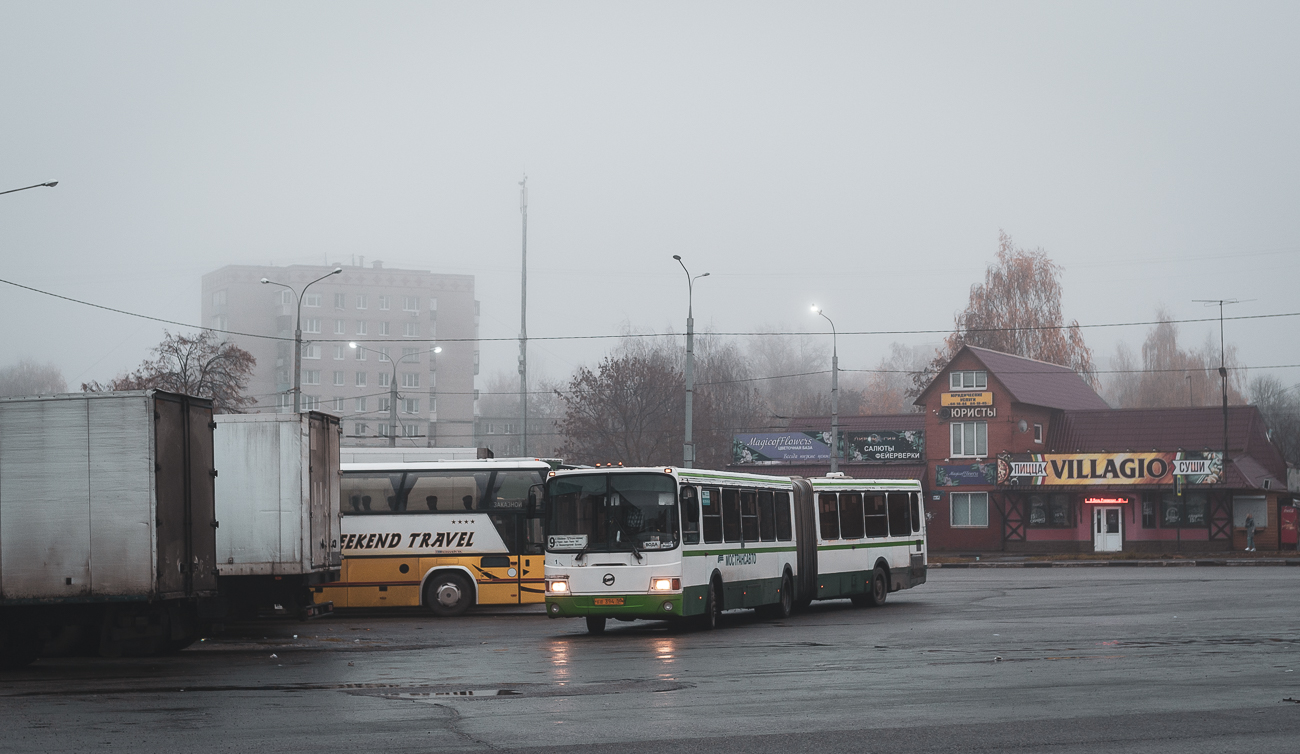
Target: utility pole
point(1223, 374)
point(688, 448)
point(392, 406)
point(835, 392)
point(523, 321)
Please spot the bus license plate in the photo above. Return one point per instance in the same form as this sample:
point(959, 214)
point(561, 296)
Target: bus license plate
point(609, 600)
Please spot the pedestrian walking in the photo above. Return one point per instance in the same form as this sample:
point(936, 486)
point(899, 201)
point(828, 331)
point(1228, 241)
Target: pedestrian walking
point(1250, 532)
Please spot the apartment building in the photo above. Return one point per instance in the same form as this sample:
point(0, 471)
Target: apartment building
point(396, 317)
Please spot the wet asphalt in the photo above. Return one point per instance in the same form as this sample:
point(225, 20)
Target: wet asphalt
point(1117, 660)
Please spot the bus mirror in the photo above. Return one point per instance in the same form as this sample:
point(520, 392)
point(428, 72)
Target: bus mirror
point(535, 496)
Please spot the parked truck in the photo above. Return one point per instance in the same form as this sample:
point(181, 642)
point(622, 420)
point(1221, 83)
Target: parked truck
point(277, 497)
point(107, 523)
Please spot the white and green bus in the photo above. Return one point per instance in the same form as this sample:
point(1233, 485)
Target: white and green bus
point(675, 544)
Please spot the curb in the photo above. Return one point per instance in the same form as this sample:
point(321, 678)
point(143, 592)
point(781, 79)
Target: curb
point(1126, 563)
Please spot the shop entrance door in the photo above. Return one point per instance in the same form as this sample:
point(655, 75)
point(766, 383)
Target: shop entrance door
point(1107, 529)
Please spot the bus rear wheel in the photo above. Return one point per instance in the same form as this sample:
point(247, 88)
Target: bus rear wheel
point(448, 595)
point(879, 588)
point(785, 602)
point(595, 624)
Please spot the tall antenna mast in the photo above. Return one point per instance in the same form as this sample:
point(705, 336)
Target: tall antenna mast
point(523, 322)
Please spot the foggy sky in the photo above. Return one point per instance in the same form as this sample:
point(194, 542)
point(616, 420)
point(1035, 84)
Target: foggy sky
point(860, 156)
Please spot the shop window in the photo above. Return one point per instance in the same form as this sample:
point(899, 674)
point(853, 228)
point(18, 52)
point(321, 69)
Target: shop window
point(784, 531)
point(969, 509)
point(851, 515)
point(1252, 505)
point(877, 520)
point(1148, 511)
point(1049, 510)
point(829, 515)
point(711, 513)
point(1187, 512)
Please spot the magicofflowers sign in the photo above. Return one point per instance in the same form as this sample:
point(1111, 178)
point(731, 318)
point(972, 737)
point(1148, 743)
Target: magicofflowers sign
point(781, 446)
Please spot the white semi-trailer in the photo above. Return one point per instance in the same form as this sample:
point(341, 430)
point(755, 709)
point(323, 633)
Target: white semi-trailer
point(107, 525)
point(277, 497)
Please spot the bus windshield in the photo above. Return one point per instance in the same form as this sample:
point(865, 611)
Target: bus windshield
point(612, 512)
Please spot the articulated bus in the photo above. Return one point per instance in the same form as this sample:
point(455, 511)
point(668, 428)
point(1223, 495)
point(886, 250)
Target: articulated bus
point(441, 534)
point(685, 544)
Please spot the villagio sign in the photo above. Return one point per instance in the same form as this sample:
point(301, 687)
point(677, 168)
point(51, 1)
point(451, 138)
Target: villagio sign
point(1088, 469)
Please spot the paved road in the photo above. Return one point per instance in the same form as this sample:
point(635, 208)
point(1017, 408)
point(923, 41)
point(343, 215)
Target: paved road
point(1114, 660)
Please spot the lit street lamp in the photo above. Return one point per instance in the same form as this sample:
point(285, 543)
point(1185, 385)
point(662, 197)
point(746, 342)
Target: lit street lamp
point(51, 184)
point(835, 394)
point(392, 386)
point(688, 450)
point(297, 336)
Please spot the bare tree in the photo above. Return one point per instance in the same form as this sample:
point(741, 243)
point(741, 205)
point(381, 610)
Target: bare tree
point(1170, 375)
point(727, 400)
point(1017, 310)
point(1280, 407)
point(29, 378)
point(886, 390)
point(200, 365)
point(630, 409)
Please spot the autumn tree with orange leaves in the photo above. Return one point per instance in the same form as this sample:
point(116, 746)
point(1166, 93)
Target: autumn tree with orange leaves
point(1017, 310)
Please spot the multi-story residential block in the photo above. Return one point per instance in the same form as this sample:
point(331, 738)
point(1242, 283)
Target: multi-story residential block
point(396, 317)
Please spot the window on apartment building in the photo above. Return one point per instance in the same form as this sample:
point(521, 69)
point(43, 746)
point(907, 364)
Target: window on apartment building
point(476, 362)
point(338, 378)
point(310, 351)
point(360, 429)
point(339, 405)
point(340, 300)
point(383, 430)
point(969, 439)
point(410, 430)
point(220, 322)
point(340, 327)
point(491, 430)
point(383, 354)
point(219, 297)
point(311, 403)
point(286, 297)
point(311, 377)
point(361, 354)
point(1050, 510)
point(311, 325)
point(383, 328)
point(411, 329)
point(283, 403)
point(410, 355)
point(361, 301)
point(410, 303)
point(311, 299)
point(433, 405)
point(361, 379)
point(338, 352)
point(433, 305)
point(410, 405)
point(361, 328)
point(410, 379)
point(1038, 433)
point(384, 404)
point(282, 377)
point(383, 303)
point(970, 380)
point(969, 509)
point(359, 405)
point(385, 379)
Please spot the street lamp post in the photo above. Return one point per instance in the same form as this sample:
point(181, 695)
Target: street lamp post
point(835, 393)
point(688, 449)
point(392, 386)
point(51, 184)
point(297, 335)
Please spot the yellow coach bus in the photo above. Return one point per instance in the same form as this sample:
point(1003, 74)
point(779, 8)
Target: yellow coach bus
point(443, 535)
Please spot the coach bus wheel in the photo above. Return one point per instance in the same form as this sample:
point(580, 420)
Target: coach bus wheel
point(448, 595)
point(879, 588)
point(595, 624)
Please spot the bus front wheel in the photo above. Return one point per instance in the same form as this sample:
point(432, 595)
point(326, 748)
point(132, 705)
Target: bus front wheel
point(595, 624)
point(712, 608)
point(448, 595)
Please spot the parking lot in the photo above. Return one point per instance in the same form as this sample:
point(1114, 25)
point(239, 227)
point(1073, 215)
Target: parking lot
point(1117, 659)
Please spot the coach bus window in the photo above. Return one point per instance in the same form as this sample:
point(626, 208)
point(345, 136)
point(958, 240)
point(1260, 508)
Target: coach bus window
point(749, 516)
point(690, 516)
point(916, 511)
point(508, 527)
point(851, 515)
point(830, 517)
point(711, 512)
point(877, 522)
point(446, 490)
point(783, 529)
point(766, 520)
point(509, 489)
point(731, 515)
point(372, 493)
point(899, 526)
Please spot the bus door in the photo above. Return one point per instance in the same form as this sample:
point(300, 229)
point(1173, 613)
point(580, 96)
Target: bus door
point(498, 579)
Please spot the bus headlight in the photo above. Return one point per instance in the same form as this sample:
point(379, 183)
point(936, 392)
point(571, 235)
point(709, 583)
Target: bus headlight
point(665, 585)
point(559, 586)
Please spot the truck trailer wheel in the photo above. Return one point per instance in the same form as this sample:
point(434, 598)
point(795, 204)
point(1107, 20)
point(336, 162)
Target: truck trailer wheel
point(448, 594)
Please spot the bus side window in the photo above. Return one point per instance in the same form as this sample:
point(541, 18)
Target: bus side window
point(766, 521)
point(877, 524)
point(749, 516)
point(851, 515)
point(783, 528)
point(690, 516)
point(899, 526)
point(711, 508)
point(731, 515)
point(830, 516)
point(916, 511)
